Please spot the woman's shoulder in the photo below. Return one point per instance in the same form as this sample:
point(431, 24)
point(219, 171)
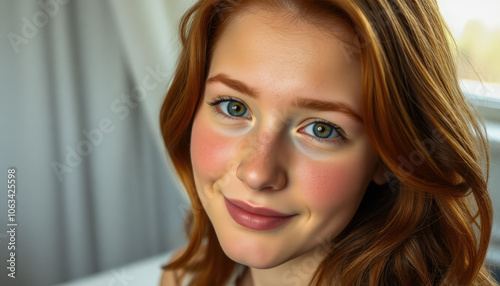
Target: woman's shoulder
point(173, 277)
point(176, 277)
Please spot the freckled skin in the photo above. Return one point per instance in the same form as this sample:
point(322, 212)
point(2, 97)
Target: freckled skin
point(212, 152)
point(268, 160)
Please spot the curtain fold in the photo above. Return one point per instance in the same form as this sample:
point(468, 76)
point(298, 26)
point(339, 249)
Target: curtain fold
point(81, 84)
point(79, 124)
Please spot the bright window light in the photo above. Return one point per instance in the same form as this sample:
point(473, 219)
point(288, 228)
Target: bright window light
point(475, 26)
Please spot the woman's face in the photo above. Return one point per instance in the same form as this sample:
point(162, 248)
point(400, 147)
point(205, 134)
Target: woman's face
point(279, 154)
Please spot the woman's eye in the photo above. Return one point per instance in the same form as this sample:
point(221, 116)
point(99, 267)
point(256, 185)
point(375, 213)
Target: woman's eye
point(234, 108)
point(322, 130)
point(230, 108)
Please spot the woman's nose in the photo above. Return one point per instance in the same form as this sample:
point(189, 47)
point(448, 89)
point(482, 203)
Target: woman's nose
point(263, 167)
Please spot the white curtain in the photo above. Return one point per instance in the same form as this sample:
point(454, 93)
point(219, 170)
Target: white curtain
point(81, 84)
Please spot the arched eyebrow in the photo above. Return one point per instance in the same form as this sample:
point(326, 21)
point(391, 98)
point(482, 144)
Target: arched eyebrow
point(305, 103)
point(321, 105)
point(234, 84)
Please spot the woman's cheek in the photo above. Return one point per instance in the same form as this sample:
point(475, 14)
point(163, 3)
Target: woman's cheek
point(326, 185)
point(212, 156)
point(208, 150)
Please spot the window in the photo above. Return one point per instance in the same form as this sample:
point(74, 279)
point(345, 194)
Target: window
point(475, 26)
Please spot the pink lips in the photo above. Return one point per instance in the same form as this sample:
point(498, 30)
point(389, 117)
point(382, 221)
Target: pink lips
point(255, 218)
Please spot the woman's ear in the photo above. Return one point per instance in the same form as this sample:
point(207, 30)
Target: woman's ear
point(380, 176)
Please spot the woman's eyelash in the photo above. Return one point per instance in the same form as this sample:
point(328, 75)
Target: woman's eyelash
point(342, 138)
point(219, 99)
point(220, 103)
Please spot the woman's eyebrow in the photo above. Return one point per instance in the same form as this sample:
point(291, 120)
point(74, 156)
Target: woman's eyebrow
point(320, 105)
point(234, 84)
point(306, 103)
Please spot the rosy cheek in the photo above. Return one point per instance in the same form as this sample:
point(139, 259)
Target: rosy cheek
point(208, 150)
point(213, 154)
point(326, 185)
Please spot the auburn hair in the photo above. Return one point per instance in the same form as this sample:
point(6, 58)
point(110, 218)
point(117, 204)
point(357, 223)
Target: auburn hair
point(431, 223)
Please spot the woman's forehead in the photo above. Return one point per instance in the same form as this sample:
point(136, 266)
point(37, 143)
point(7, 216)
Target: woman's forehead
point(288, 20)
point(277, 58)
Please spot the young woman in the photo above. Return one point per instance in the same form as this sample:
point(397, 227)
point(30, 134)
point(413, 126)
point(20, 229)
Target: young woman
point(325, 143)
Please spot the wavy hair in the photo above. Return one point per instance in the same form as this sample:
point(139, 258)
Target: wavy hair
point(431, 223)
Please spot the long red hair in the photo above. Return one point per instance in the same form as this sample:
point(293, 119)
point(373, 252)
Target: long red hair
point(431, 223)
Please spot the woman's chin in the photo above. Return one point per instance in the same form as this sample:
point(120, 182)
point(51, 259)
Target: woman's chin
point(254, 257)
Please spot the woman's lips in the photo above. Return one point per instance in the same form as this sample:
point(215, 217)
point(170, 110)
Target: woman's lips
point(255, 218)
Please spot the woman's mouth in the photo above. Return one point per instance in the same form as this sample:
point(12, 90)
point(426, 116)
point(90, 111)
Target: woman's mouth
point(255, 218)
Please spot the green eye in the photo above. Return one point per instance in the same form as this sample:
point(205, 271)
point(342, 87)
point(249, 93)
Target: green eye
point(322, 130)
point(234, 108)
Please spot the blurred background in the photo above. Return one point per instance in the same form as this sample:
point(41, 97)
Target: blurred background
point(81, 84)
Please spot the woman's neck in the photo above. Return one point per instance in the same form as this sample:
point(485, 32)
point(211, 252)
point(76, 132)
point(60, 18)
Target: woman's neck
point(298, 271)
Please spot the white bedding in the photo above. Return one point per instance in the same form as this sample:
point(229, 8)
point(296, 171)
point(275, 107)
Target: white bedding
point(144, 272)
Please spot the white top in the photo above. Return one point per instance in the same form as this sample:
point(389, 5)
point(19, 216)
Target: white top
point(237, 272)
